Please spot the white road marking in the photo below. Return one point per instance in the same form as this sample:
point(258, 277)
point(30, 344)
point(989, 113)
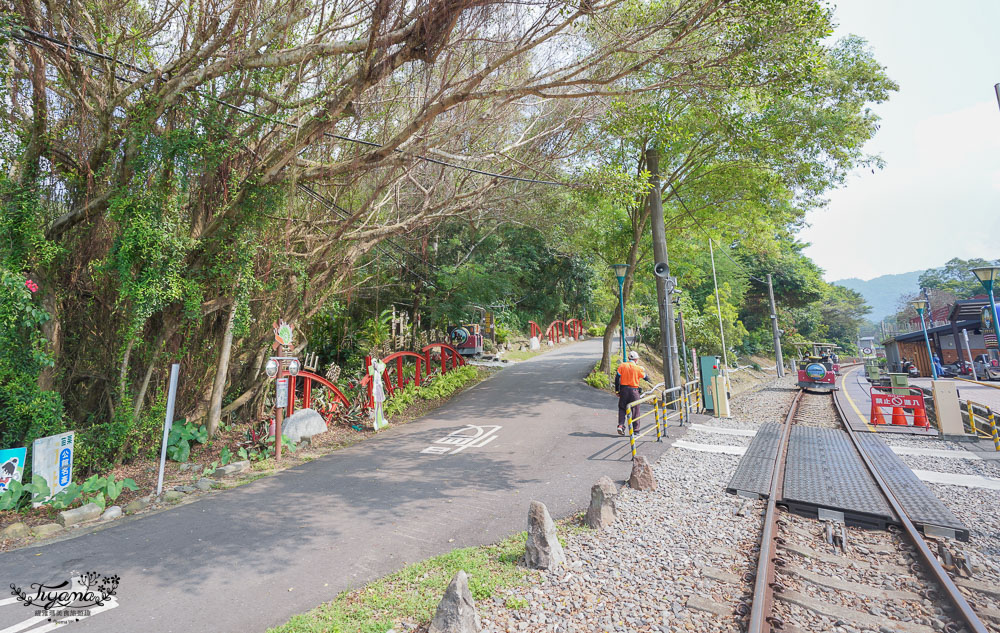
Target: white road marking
point(711, 448)
point(934, 452)
point(952, 479)
point(723, 431)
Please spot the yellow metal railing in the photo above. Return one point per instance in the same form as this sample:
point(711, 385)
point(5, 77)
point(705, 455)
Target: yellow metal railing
point(989, 417)
point(686, 397)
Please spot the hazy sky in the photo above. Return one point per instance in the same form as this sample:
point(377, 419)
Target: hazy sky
point(939, 194)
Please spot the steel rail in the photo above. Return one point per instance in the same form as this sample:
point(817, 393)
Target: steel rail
point(763, 590)
point(944, 580)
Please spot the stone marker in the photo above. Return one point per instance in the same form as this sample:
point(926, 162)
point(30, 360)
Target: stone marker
point(456, 613)
point(137, 504)
point(46, 529)
point(551, 344)
point(303, 423)
point(15, 530)
point(111, 513)
point(533, 344)
point(602, 512)
point(543, 550)
point(82, 514)
point(642, 475)
point(231, 469)
point(204, 484)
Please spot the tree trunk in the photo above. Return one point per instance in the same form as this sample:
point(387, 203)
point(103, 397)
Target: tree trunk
point(219, 387)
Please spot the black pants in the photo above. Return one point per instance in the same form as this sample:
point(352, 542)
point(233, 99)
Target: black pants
point(627, 395)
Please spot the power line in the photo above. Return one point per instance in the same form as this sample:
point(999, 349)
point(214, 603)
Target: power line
point(709, 236)
point(263, 117)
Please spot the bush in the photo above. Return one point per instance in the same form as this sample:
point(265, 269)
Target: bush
point(439, 387)
point(595, 329)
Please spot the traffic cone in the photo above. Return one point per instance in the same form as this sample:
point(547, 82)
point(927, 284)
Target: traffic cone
point(898, 417)
point(920, 418)
point(878, 417)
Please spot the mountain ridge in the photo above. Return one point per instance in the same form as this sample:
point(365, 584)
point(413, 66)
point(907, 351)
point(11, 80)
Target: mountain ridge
point(882, 293)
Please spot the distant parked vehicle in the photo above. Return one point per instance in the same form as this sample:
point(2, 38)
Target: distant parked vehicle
point(987, 368)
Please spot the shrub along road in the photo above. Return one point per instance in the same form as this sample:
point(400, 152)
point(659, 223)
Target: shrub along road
point(249, 558)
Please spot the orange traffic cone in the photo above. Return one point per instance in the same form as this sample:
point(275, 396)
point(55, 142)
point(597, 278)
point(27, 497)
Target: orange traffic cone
point(898, 417)
point(920, 418)
point(878, 418)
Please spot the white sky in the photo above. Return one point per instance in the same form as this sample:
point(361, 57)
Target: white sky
point(939, 194)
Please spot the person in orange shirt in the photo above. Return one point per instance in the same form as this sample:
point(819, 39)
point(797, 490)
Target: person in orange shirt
point(627, 387)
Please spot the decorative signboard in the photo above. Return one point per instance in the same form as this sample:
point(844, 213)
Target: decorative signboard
point(52, 458)
point(988, 329)
point(11, 465)
point(281, 393)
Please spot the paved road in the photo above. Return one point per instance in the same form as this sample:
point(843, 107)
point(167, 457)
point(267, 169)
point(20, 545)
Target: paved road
point(249, 558)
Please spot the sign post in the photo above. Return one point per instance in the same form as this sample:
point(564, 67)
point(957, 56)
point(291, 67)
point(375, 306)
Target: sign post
point(168, 422)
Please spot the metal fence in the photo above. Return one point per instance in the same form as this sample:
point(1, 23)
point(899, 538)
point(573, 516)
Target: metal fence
point(677, 403)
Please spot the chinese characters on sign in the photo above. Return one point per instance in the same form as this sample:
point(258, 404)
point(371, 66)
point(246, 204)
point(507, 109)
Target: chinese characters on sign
point(52, 458)
point(469, 436)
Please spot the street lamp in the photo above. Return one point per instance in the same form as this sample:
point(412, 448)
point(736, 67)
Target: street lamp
point(986, 276)
point(921, 305)
point(620, 270)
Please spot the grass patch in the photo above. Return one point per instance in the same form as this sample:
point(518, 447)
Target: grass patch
point(519, 355)
point(412, 594)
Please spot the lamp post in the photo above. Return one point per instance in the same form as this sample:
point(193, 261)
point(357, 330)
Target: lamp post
point(921, 305)
point(620, 270)
point(986, 276)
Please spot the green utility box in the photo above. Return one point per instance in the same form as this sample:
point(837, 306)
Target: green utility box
point(710, 367)
point(900, 383)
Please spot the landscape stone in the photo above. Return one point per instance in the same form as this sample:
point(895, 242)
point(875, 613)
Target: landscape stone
point(231, 469)
point(189, 466)
point(303, 423)
point(137, 504)
point(79, 515)
point(204, 484)
point(642, 475)
point(112, 513)
point(172, 496)
point(46, 529)
point(185, 489)
point(551, 344)
point(602, 512)
point(456, 613)
point(15, 530)
point(542, 550)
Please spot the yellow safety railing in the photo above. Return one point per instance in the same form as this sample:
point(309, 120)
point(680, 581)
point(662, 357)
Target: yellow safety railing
point(686, 397)
point(989, 417)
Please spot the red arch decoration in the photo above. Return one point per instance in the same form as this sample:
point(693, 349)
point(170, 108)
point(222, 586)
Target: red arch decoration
point(556, 331)
point(575, 327)
point(456, 357)
point(536, 330)
point(401, 382)
point(308, 378)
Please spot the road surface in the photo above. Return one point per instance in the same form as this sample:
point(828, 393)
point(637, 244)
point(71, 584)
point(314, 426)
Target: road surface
point(249, 558)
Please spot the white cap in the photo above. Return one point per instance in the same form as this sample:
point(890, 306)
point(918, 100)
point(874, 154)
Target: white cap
point(633, 355)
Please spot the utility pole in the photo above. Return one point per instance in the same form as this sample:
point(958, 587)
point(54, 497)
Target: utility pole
point(668, 335)
point(778, 362)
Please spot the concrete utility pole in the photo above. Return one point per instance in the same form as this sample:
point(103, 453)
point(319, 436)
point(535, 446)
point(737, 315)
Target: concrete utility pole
point(778, 362)
point(668, 335)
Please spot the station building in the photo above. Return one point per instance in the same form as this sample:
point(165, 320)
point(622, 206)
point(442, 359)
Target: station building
point(945, 332)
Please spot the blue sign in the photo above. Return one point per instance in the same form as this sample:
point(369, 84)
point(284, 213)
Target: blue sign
point(815, 371)
point(11, 465)
point(65, 466)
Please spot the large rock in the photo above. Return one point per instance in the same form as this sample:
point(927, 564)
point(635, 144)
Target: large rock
point(231, 469)
point(112, 513)
point(136, 505)
point(534, 344)
point(204, 484)
point(172, 496)
point(46, 529)
point(15, 530)
point(642, 475)
point(543, 550)
point(456, 613)
point(302, 424)
point(602, 511)
point(79, 515)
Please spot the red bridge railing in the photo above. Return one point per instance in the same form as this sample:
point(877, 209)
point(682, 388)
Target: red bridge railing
point(536, 330)
point(556, 331)
point(308, 378)
point(449, 356)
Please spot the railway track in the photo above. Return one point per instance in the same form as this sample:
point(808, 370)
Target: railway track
point(862, 579)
